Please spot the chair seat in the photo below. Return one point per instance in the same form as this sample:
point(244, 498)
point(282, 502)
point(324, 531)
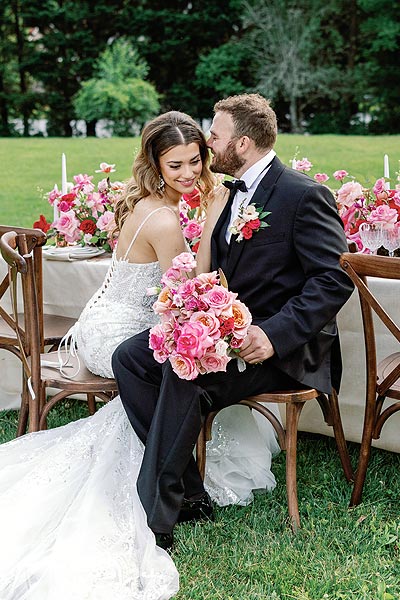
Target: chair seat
point(55, 327)
point(84, 381)
point(384, 368)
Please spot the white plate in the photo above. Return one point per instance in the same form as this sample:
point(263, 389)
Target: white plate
point(70, 253)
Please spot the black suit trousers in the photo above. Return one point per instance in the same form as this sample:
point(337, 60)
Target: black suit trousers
point(166, 414)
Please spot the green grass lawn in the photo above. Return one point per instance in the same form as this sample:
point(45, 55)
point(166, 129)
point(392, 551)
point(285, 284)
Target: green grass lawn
point(30, 167)
point(249, 553)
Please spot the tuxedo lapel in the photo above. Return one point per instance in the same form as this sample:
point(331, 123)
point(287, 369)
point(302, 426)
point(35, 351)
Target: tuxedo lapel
point(260, 198)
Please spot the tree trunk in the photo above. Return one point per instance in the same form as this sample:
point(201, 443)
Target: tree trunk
point(21, 68)
point(4, 126)
point(91, 128)
point(294, 117)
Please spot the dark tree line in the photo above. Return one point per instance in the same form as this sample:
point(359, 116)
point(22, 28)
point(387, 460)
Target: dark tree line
point(327, 65)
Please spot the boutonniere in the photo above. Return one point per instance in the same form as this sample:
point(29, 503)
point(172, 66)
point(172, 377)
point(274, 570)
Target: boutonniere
point(248, 222)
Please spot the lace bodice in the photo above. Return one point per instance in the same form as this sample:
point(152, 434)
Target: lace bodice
point(120, 309)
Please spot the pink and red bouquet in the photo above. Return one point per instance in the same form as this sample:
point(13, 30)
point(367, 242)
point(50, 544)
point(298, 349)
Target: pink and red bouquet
point(358, 204)
point(84, 215)
point(202, 324)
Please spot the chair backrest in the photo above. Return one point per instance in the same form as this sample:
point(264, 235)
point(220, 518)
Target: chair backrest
point(35, 239)
point(359, 267)
point(14, 250)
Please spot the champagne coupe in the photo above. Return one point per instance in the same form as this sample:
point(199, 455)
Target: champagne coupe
point(371, 236)
point(391, 239)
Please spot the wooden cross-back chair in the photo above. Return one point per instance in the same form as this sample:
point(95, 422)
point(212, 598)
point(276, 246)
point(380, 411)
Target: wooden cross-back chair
point(287, 436)
point(51, 327)
point(383, 376)
point(39, 377)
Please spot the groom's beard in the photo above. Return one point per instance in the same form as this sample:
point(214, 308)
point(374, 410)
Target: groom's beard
point(228, 162)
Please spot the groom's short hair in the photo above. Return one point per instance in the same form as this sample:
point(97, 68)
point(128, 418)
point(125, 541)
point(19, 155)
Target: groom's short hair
point(253, 116)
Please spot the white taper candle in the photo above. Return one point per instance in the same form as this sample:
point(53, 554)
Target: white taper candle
point(63, 174)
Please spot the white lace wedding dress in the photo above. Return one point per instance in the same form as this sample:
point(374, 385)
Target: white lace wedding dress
point(71, 524)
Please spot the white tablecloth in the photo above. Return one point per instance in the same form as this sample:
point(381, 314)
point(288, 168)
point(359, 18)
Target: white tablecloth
point(69, 285)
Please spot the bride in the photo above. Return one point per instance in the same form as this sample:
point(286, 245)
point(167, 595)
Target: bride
point(72, 525)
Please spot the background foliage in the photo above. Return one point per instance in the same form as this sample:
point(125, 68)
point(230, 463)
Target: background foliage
point(328, 65)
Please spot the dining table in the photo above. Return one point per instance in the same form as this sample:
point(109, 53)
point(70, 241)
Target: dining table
point(69, 284)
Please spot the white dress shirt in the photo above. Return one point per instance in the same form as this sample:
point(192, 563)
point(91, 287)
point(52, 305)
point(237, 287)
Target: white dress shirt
point(252, 178)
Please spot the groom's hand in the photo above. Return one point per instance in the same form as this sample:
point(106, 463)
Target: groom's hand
point(256, 346)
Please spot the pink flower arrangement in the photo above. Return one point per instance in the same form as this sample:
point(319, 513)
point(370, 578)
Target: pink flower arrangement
point(86, 212)
point(202, 325)
point(358, 204)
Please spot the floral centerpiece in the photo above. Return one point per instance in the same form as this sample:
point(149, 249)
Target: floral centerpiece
point(203, 324)
point(359, 204)
point(84, 215)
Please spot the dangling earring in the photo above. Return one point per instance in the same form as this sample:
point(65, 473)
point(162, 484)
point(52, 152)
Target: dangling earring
point(161, 184)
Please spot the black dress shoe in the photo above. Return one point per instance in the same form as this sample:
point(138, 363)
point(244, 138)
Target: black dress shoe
point(196, 510)
point(165, 541)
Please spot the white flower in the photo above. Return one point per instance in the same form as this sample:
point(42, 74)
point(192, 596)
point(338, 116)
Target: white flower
point(221, 347)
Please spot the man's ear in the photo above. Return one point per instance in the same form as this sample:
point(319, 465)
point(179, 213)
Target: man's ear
point(243, 144)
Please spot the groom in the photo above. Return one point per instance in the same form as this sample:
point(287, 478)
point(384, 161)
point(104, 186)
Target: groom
point(287, 273)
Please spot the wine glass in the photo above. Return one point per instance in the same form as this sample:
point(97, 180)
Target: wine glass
point(371, 236)
point(391, 239)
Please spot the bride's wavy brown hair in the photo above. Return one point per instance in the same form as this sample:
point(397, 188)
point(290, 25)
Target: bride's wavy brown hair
point(163, 133)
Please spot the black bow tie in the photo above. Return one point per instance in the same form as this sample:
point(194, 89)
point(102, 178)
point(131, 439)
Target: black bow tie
point(234, 186)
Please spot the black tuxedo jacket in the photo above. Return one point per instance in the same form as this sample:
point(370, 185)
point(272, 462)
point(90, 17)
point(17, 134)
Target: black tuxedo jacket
point(288, 274)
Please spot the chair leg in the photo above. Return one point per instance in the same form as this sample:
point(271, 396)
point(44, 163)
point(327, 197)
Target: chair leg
point(24, 410)
point(201, 452)
point(293, 411)
point(365, 453)
point(91, 400)
point(339, 437)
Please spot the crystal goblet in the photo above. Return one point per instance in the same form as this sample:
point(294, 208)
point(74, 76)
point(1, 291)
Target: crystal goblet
point(391, 239)
point(371, 236)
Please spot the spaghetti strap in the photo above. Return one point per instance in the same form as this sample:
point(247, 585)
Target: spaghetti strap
point(141, 226)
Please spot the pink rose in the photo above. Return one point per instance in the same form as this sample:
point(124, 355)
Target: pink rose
point(193, 339)
point(213, 362)
point(236, 342)
point(340, 175)
point(163, 302)
point(192, 230)
point(380, 186)
point(349, 193)
point(303, 165)
point(209, 320)
point(171, 278)
point(242, 319)
point(219, 299)
point(106, 222)
point(207, 280)
point(55, 194)
point(96, 203)
point(68, 225)
point(383, 214)
point(184, 261)
point(184, 366)
point(321, 177)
